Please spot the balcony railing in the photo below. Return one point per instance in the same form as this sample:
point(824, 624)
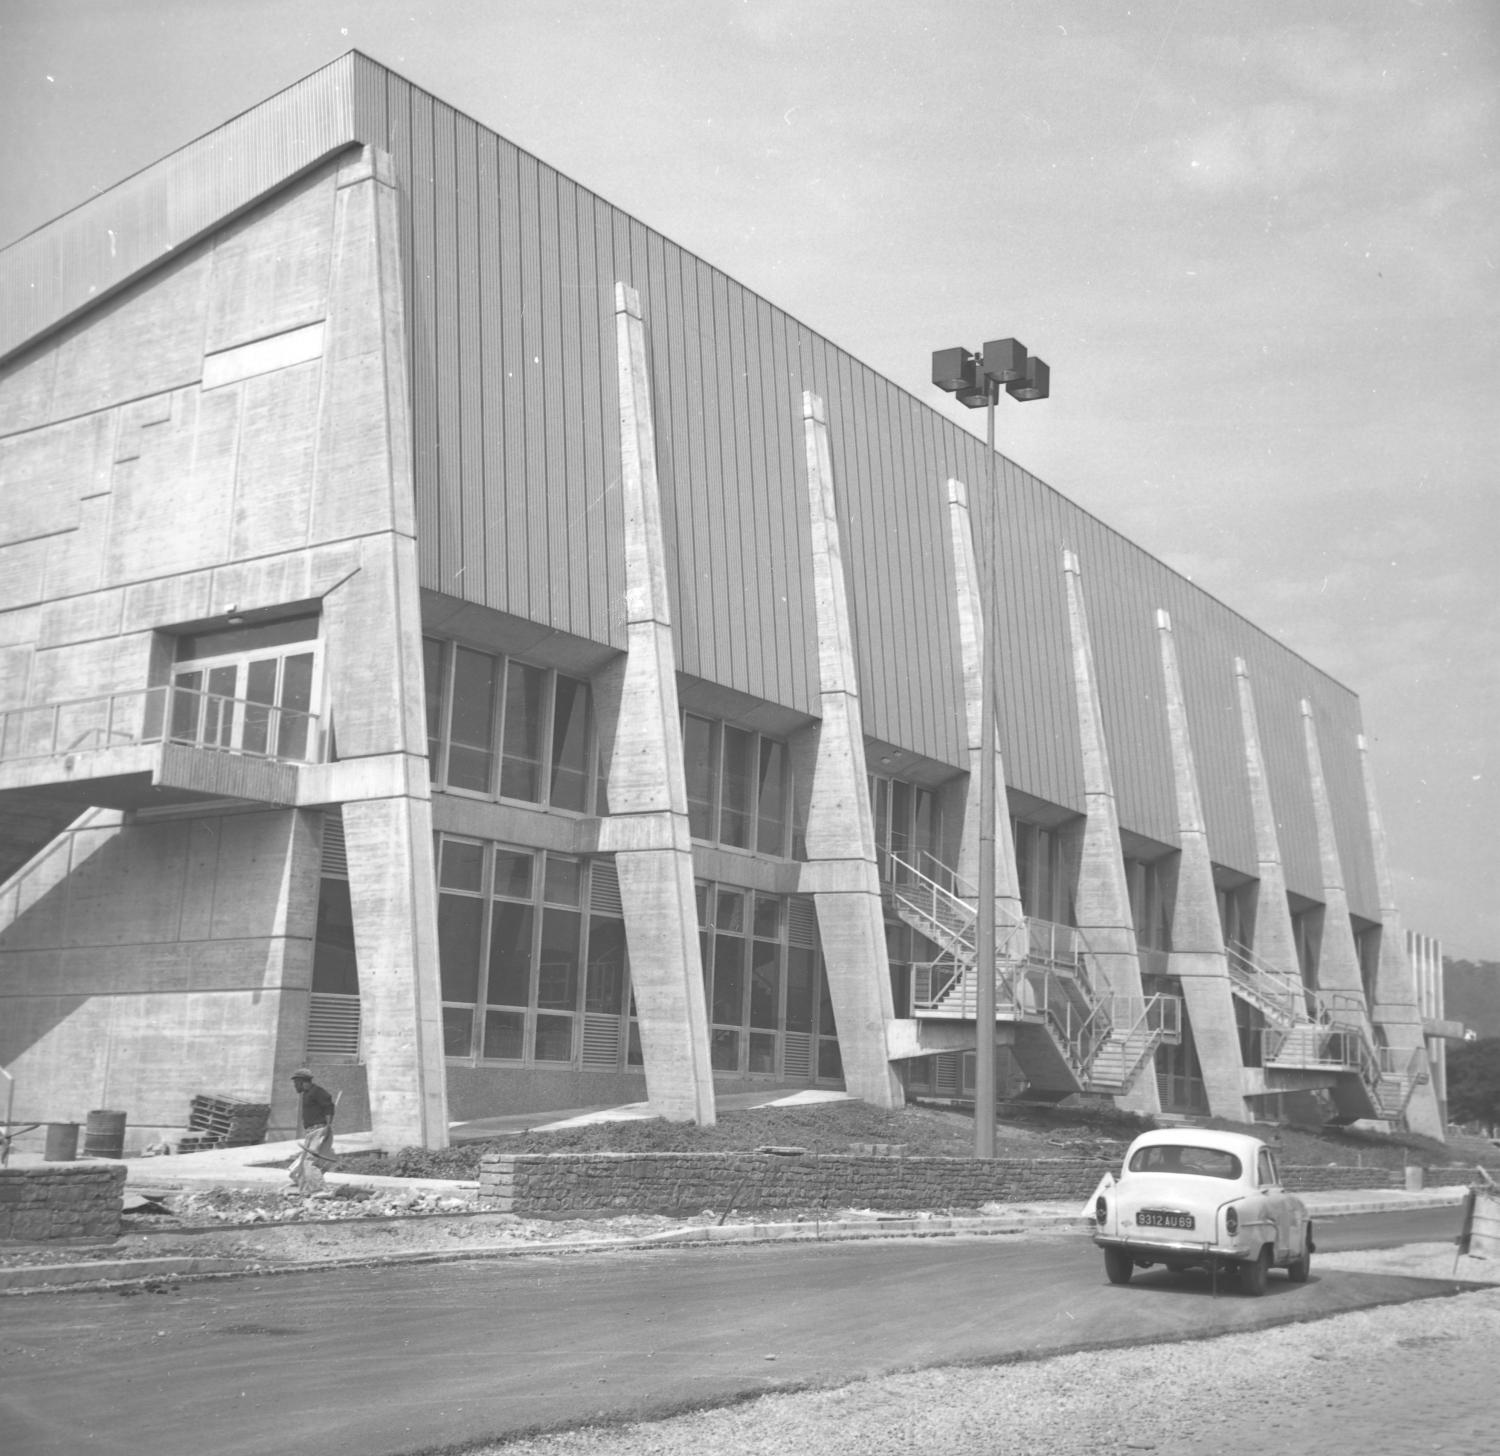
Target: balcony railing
point(165, 714)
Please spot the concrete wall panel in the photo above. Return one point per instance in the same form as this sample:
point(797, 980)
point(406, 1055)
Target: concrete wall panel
point(47, 472)
point(148, 340)
point(273, 489)
point(270, 270)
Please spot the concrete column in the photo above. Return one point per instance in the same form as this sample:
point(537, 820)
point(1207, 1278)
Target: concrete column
point(841, 871)
point(1338, 956)
point(1397, 1009)
point(970, 607)
point(1103, 898)
point(1197, 955)
point(393, 894)
point(372, 629)
point(1274, 941)
point(641, 732)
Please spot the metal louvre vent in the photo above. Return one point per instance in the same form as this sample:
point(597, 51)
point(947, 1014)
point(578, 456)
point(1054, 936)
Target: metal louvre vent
point(801, 921)
point(945, 1068)
point(796, 1054)
point(333, 1025)
point(601, 1042)
point(604, 888)
point(335, 855)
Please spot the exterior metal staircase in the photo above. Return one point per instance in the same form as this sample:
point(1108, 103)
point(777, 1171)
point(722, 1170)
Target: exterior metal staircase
point(1307, 1030)
point(1072, 1035)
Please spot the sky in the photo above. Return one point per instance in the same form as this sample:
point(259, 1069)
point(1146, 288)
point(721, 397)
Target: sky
point(1256, 240)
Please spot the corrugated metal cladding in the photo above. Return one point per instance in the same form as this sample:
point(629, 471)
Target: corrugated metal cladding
point(510, 273)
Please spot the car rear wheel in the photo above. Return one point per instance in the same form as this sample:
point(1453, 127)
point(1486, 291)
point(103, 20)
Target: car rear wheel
point(1255, 1273)
point(1298, 1270)
point(1118, 1266)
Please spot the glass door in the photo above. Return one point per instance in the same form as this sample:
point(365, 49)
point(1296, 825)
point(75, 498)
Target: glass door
point(258, 700)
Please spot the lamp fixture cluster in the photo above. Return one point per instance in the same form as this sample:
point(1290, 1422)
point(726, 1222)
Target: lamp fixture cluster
point(976, 378)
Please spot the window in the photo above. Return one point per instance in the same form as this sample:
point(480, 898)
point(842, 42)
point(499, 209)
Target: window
point(506, 729)
point(1186, 1158)
point(1148, 904)
point(738, 786)
point(335, 966)
point(527, 974)
point(248, 689)
point(1044, 872)
point(907, 825)
point(1307, 932)
point(763, 980)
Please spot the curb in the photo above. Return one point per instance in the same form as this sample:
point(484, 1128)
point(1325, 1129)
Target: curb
point(110, 1272)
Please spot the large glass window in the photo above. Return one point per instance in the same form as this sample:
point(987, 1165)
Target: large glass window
point(762, 974)
point(771, 800)
point(700, 753)
point(523, 966)
point(335, 965)
point(521, 760)
point(738, 786)
point(1148, 904)
point(1043, 869)
point(505, 728)
point(907, 827)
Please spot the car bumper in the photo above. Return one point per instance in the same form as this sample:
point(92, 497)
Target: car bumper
point(1159, 1251)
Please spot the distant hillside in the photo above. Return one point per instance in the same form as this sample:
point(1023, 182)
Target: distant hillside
point(1471, 994)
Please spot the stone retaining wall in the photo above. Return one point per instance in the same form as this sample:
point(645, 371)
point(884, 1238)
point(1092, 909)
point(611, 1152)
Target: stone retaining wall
point(76, 1203)
point(571, 1184)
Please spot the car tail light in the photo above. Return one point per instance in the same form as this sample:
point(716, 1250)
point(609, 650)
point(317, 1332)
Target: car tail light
point(1101, 1210)
point(1231, 1221)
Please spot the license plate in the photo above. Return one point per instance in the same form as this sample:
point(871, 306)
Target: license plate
point(1160, 1218)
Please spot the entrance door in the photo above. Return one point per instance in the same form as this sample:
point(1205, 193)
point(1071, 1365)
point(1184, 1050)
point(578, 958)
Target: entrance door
point(256, 700)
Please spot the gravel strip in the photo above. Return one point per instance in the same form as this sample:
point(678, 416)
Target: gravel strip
point(1310, 1384)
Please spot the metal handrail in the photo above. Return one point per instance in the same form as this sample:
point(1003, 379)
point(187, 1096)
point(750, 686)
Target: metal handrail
point(1273, 990)
point(166, 713)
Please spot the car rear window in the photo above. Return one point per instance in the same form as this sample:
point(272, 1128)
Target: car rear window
point(1185, 1158)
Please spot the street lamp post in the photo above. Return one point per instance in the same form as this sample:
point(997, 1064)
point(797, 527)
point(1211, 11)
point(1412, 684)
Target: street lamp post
point(977, 380)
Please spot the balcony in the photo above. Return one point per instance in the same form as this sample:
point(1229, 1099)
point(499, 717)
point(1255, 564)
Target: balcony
point(158, 745)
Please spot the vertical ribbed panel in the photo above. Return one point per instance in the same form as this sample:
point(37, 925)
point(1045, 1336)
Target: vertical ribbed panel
point(510, 272)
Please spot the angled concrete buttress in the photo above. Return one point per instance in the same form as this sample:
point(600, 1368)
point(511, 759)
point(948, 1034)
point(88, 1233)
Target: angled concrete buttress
point(641, 732)
point(828, 763)
point(1197, 957)
point(1396, 1009)
point(1273, 939)
point(1338, 956)
point(970, 605)
point(373, 636)
point(1103, 898)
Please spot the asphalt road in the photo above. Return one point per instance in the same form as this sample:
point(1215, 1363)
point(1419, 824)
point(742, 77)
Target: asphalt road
point(410, 1358)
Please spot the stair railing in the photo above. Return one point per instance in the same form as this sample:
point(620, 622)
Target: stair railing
point(1278, 995)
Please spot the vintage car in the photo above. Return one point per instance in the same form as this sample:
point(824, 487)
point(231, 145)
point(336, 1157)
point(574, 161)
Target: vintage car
point(1191, 1198)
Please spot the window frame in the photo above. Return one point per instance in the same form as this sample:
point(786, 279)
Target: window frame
point(440, 657)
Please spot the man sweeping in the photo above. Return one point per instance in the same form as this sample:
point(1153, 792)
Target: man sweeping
point(315, 1116)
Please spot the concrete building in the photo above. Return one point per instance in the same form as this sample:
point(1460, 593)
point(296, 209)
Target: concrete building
point(451, 635)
